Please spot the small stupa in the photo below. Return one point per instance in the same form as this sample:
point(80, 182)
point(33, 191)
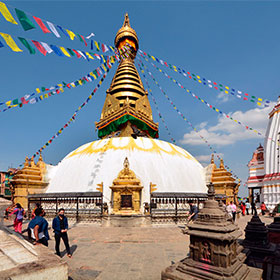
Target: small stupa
point(256, 240)
point(214, 250)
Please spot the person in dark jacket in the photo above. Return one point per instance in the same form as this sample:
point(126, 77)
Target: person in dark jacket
point(38, 228)
point(60, 227)
point(193, 213)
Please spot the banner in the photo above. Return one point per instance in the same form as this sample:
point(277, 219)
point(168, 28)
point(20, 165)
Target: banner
point(203, 81)
point(185, 119)
point(6, 13)
point(10, 42)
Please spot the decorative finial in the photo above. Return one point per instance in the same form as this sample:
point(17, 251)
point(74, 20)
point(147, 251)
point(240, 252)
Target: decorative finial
point(212, 158)
point(211, 191)
point(126, 20)
point(222, 163)
point(126, 166)
point(40, 157)
point(26, 163)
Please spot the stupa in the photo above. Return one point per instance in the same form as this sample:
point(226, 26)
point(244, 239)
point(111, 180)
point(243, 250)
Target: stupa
point(214, 250)
point(127, 130)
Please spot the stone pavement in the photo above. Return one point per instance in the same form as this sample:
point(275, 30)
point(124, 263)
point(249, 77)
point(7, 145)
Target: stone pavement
point(132, 253)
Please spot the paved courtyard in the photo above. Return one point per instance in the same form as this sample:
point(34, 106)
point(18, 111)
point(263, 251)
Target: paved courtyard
point(108, 253)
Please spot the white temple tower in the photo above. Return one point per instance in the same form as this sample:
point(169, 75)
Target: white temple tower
point(271, 181)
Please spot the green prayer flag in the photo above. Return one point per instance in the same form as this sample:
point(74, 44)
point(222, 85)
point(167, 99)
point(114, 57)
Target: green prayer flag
point(71, 52)
point(27, 45)
point(80, 37)
point(15, 101)
point(25, 22)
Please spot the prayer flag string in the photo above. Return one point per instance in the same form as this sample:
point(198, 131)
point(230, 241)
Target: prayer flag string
point(157, 108)
point(206, 82)
point(204, 101)
point(184, 118)
point(47, 92)
point(73, 117)
point(49, 27)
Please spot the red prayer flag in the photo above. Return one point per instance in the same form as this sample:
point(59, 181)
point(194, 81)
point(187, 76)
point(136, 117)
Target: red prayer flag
point(39, 47)
point(23, 101)
point(77, 54)
point(42, 25)
point(84, 40)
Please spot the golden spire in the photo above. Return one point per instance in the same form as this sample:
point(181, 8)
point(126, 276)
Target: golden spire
point(126, 34)
point(222, 163)
point(127, 111)
point(212, 159)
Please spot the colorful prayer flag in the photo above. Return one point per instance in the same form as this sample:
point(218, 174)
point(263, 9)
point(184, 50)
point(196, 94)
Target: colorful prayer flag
point(47, 47)
point(71, 34)
point(63, 31)
point(77, 54)
point(25, 22)
point(6, 13)
point(27, 45)
point(70, 51)
point(56, 50)
point(97, 45)
point(65, 52)
point(104, 48)
point(10, 42)
point(39, 47)
point(42, 25)
point(53, 29)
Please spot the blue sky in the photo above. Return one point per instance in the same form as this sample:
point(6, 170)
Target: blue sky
point(235, 43)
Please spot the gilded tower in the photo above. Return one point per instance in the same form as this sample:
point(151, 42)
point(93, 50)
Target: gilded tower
point(127, 111)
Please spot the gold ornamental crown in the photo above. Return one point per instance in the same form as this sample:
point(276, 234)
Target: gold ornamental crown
point(126, 32)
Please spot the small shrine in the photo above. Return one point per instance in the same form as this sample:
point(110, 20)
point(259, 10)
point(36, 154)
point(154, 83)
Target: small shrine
point(224, 184)
point(28, 180)
point(274, 231)
point(256, 240)
point(126, 192)
point(214, 250)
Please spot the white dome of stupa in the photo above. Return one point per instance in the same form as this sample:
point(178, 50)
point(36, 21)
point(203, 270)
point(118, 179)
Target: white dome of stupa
point(168, 166)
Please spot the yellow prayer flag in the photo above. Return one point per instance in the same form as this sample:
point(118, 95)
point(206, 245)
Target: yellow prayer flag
point(46, 95)
point(38, 90)
point(41, 97)
point(6, 13)
point(71, 34)
point(80, 82)
point(90, 97)
point(60, 85)
point(198, 77)
point(8, 103)
point(260, 99)
point(259, 103)
point(65, 52)
point(153, 58)
point(10, 42)
point(226, 91)
point(88, 54)
point(61, 89)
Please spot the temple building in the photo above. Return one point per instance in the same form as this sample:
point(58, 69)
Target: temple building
point(225, 185)
point(127, 164)
point(264, 167)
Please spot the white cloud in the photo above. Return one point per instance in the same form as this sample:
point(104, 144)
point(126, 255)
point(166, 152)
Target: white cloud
point(227, 132)
point(222, 97)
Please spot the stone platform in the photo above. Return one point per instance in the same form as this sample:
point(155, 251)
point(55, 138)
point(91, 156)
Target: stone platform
point(20, 260)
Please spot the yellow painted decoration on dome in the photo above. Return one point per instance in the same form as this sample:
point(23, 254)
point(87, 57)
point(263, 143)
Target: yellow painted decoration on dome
point(128, 143)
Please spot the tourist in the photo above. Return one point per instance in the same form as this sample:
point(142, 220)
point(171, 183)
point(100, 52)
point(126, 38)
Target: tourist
point(38, 228)
point(60, 227)
point(254, 209)
point(247, 205)
point(193, 213)
point(38, 205)
point(242, 208)
point(233, 207)
point(263, 208)
point(229, 209)
point(19, 213)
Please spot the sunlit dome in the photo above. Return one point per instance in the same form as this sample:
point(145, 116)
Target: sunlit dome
point(170, 167)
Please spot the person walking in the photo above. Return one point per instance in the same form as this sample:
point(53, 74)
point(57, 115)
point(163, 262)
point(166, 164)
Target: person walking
point(60, 227)
point(38, 228)
point(242, 208)
point(233, 207)
point(263, 208)
point(247, 205)
point(229, 210)
point(19, 213)
point(254, 209)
